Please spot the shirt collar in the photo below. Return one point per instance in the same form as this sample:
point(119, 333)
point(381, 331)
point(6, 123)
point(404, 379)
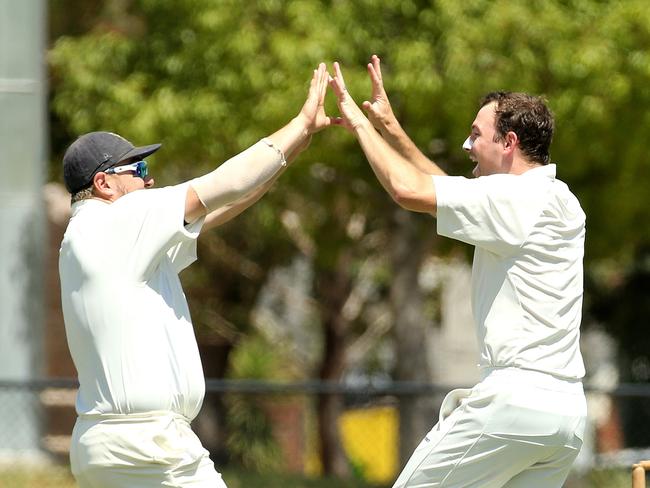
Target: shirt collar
point(87, 203)
point(546, 170)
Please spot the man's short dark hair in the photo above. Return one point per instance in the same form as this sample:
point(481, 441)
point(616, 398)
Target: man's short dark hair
point(528, 117)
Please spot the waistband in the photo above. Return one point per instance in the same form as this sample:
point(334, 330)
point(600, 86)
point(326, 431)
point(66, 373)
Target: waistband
point(133, 417)
point(531, 377)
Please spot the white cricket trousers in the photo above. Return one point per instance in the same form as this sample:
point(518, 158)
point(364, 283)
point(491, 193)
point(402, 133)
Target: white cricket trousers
point(157, 449)
point(516, 429)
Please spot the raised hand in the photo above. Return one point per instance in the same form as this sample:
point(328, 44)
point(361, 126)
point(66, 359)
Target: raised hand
point(378, 108)
point(313, 111)
point(351, 115)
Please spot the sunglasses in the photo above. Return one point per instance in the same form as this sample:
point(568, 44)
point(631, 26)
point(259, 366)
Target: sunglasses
point(139, 168)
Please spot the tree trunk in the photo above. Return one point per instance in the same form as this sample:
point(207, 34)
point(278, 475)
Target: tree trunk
point(333, 291)
point(407, 254)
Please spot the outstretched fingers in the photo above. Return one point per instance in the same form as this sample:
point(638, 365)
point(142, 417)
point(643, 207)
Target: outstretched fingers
point(377, 82)
point(376, 89)
point(313, 86)
point(313, 111)
point(351, 116)
point(376, 64)
point(323, 77)
point(378, 107)
point(337, 82)
point(318, 72)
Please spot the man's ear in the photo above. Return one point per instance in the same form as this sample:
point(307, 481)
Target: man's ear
point(102, 186)
point(510, 141)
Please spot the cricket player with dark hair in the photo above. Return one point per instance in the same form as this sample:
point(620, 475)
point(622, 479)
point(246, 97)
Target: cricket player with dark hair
point(522, 425)
point(127, 321)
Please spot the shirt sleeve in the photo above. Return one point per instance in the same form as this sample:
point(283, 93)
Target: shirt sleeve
point(151, 227)
point(184, 253)
point(496, 212)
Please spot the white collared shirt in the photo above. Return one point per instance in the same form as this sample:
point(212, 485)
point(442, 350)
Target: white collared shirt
point(127, 321)
point(527, 277)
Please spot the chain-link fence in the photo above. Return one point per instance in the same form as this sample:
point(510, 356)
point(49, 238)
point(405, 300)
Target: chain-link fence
point(291, 433)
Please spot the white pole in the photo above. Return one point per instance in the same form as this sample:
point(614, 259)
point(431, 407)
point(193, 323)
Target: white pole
point(22, 227)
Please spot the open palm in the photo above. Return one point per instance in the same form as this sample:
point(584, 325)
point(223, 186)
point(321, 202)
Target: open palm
point(351, 115)
point(313, 111)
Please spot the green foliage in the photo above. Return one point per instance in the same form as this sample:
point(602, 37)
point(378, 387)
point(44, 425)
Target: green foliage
point(250, 441)
point(255, 358)
point(208, 78)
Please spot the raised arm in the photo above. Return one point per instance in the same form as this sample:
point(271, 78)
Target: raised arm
point(383, 119)
point(230, 211)
point(250, 171)
point(409, 186)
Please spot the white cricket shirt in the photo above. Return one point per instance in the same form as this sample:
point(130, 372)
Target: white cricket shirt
point(527, 277)
point(126, 317)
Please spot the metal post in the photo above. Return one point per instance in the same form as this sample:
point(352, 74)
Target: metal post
point(22, 229)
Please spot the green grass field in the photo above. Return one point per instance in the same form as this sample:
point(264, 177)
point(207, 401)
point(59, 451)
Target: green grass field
point(31, 477)
point(60, 477)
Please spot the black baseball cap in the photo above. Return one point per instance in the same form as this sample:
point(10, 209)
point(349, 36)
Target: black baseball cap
point(95, 152)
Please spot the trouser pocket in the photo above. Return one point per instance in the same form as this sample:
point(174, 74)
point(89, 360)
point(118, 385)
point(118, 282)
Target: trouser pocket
point(452, 401)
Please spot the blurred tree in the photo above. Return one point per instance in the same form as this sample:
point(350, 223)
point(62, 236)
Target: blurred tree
point(210, 77)
point(621, 302)
point(250, 437)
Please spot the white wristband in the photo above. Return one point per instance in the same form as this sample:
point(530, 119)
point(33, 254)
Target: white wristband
point(268, 142)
